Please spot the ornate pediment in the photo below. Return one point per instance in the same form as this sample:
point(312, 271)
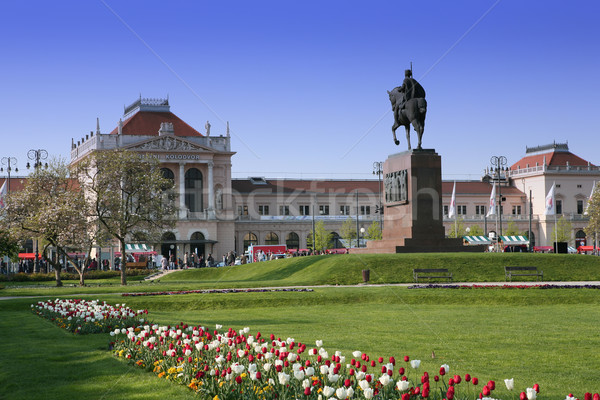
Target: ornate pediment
point(167, 143)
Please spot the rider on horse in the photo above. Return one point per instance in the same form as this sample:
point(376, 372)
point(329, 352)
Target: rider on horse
point(411, 90)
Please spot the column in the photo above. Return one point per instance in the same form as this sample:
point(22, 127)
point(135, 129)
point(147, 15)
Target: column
point(211, 187)
point(182, 208)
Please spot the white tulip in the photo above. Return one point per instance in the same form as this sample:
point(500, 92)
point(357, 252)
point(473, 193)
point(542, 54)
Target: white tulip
point(368, 393)
point(531, 394)
point(510, 383)
point(402, 385)
point(341, 393)
point(415, 363)
point(328, 391)
point(283, 378)
point(356, 354)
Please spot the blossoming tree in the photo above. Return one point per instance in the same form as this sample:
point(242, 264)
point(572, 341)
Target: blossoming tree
point(127, 194)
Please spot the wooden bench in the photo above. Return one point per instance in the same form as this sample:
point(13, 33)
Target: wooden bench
point(509, 272)
point(432, 273)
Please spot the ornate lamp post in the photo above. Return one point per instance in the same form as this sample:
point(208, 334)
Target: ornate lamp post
point(37, 155)
point(9, 162)
point(499, 162)
point(378, 170)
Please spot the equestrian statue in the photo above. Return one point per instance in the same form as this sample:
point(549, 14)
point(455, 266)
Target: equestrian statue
point(409, 106)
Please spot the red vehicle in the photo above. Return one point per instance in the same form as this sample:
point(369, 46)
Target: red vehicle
point(277, 250)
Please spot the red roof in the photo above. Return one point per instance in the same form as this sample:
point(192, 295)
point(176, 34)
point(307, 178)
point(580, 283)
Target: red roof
point(552, 158)
point(313, 186)
point(475, 188)
point(148, 123)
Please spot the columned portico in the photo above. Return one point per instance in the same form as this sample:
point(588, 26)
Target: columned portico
point(182, 207)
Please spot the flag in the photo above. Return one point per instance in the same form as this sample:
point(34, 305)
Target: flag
point(550, 202)
point(492, 209)
point(3, 193)
point(452, 209)
point(587, 207)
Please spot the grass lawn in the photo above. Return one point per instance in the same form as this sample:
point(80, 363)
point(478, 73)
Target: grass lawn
point(548, 337)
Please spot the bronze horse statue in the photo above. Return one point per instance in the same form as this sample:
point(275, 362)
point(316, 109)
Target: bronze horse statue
point(413, 111)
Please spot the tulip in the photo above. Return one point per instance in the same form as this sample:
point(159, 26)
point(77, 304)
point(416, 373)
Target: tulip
point(596, 396)
point(475, 381)
point(486, 391)
point(406, 358)
point(307, 391)
point(536, 387)
point(415, 363)
point(587, 396)
point(510, 384)
point(492, 385)
point(328, 391)
point(402, 385)
point(523, 396)
point(467, 378)
point(405, 396)
point(531, 394)
point(341, 393)
point(368, 393)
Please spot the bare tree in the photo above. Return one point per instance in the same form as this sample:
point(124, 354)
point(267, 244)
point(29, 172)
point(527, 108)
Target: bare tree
point(127, 193)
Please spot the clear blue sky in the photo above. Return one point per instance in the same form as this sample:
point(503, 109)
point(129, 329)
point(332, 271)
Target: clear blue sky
point(303, 84)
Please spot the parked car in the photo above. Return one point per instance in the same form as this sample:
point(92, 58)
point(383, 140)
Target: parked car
point(517, 248)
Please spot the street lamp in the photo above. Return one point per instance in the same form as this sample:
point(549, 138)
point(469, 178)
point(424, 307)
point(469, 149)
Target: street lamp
point(378, 170)
point(8, 161)
point(499, 162)
point(362, 234)
point(37, 155)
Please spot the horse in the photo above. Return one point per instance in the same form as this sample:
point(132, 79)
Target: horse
point(413, 112)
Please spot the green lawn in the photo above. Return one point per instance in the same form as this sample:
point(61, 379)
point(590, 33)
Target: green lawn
point(540, 336)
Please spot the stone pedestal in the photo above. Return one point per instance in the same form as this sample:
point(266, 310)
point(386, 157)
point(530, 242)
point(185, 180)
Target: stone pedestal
point(413, 218)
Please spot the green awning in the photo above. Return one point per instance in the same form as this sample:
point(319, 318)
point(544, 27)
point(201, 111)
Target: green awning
point(513, 240)
point(477, 239)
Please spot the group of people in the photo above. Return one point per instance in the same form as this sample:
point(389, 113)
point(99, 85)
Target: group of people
point(190, 260)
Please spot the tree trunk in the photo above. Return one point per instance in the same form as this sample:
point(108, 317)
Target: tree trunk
point(57, 275)
point(123, 264)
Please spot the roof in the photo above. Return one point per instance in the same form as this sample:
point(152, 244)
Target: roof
point(17, 183)
point(476, 188)
point(553, 158)
point(312, 186)
point(147, 123)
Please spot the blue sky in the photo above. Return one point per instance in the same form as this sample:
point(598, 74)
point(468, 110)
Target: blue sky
point(303, 84)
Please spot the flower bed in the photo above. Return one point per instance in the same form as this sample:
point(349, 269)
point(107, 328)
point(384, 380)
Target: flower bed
point(81, 316)
point(522, 286)
point(227, 364)
point(212, 291)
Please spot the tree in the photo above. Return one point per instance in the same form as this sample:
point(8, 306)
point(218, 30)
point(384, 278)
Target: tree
point(9, 246)
point(562, 230)
point(457, 229)
point(127, 193)
point(476, 230)
point(374, 231)
point(52, 208)
point(348, 230)
point(593, 212)
point(511, 229)
point(323, 237)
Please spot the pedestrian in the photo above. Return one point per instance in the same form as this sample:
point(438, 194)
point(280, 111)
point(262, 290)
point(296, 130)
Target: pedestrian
point(164, 263)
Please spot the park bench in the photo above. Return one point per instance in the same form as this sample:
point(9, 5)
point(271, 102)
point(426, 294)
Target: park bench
point(431, 273)
point(509, 272)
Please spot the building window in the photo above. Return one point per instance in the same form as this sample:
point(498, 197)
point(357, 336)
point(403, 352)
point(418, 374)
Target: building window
point(558, 185)
point(516, 210)
point(284, 210)
point(304, 209)
point(578, 186)
point(461, 210)
point(446, 211)
point(559, 206)
point(242, 210)
point(580, 207)
point(193, 190)
point(344, 210)
point(263, 209)
point(479, 210)
point(324, 209)
point(292, 240)
point(271, 239)
point(249, 239)
point(365, 210)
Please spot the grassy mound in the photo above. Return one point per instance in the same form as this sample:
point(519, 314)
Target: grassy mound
point(390, 268)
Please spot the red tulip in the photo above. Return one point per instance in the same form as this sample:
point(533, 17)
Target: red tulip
point(406, 358)
point(401, 371)
point(475, 380)
point(596, 396)
point(536, 387)
point(372, 363)
point(393, 360)
point(492, 385)
point(238, 379)
point(451, 382)
point(351, 372)
point(368, 378)
point(405, 396)
point(467, 377)
point(442, 371)
point(307, 391)
point(417, 390)
point(587, 396)
point(457, 379)
point(347, 383)
point(486, 390)
point(523, 396)
point(436, 378)
point(425, 392)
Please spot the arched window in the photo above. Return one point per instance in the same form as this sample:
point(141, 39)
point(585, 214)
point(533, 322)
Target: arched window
point(168, 237)
point(249, 239)
point(335, 242)
point(271, 239)
point(197, 236)
point(197, 243)
point(292, 240)
point(580, 238)
point(168, 246)
point(168, 174)
point(193, 190)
